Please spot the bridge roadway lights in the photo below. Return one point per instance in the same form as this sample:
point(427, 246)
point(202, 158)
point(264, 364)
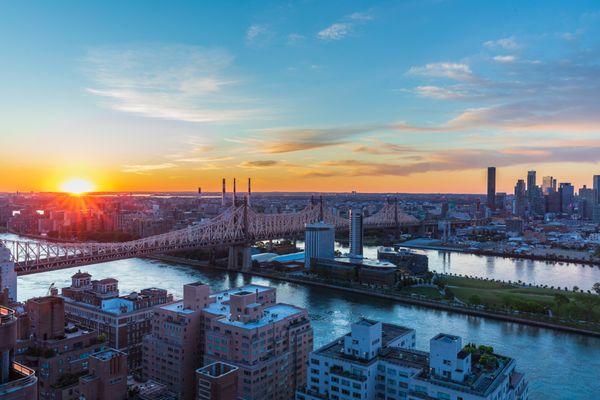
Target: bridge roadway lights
point(240, 258)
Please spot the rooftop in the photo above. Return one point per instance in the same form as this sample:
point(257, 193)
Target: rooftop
point(108, 354)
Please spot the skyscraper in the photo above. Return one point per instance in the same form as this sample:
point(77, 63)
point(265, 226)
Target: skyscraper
point(491, 188)
point(596, 187)
point(547, 186)
point(318, 242)
point(531, 184)
point(567, 192)
point(520, 198)
point(356, 233)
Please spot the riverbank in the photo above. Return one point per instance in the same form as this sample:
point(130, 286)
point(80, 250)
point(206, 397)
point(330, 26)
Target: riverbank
point(387, 294)
point(556, 259)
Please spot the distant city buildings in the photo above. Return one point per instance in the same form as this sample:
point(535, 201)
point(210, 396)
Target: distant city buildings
point(378, 361)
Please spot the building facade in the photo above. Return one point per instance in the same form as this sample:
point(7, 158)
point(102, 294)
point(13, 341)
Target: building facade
point(378, 361)
point(122, 320)
point(356, 233)
point(267, 342)
point(319, 242)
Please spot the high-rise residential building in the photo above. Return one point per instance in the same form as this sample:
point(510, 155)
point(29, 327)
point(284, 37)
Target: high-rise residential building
point(267, 342)
point(123, 320)
point(319, 242)
point(548, 185)
point(356, 233)
point(587, 202)
point(8, 276)
point(596, 187)
point(107, 377)
point(531, 184)
point(378, 361)
point(567, 196)
point(173, 350)
point(520, 205)
point(491, 188)
point(57, 351)
point(217, 381)
point(17, 382)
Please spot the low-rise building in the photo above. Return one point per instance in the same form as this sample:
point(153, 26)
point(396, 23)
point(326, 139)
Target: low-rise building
point(378, 361)
point(107, 377)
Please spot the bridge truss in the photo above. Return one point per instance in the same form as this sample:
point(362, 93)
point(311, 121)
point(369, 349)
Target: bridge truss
point(237, 225)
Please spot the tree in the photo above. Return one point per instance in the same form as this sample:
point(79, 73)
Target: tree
point(560, 300)
point(596, 287)
point(575, 288)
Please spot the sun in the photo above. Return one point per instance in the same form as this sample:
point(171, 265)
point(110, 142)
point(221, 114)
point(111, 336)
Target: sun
point(77, 186)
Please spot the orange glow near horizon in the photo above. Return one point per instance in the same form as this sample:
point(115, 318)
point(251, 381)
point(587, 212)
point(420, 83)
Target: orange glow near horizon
point(77, 186)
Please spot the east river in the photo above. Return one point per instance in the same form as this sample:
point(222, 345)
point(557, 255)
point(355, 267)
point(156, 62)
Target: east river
point(558, 365)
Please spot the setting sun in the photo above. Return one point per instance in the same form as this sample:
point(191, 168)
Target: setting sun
point(77, 186)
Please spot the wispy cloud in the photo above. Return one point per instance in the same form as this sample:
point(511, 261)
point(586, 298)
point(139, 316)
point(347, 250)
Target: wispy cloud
point(451, 70)
point(336, 31)
point(175, 82)
point(258, 35)
point(340, 29)
point(505, 59)
point(508, 43)
point(144, 169)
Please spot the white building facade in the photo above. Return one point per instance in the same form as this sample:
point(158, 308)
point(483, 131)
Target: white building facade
point(319, 242)
point(378, 361)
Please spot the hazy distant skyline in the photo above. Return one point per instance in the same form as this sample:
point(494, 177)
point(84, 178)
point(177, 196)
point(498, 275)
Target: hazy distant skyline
point(415, 96)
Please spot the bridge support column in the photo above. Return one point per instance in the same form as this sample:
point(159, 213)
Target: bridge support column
point(240, 258)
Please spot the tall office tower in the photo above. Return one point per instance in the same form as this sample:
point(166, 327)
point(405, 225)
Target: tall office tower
point(491, 188)
point(174, 349)
point(234, 194)
point(547, 185)
point(587, 202)
point(531, 184)
point(268, 342)
point(379, 361)
point(8, 276)
point(319, 242)
point(596, 187)
point(107, 377)
point(567, 195)
point(356, 233)
point(17, 382)
point(520, 198)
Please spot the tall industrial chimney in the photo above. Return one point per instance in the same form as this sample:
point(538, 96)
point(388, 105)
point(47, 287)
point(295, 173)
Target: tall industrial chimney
point(234, 194)
point(249, 190)
point(223, 194)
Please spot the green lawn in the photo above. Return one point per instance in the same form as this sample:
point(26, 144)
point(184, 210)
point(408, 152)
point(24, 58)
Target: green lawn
point(580, 306)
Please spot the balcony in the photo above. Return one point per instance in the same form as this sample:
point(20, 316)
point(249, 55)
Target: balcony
point(346, 374)
point(21, 377)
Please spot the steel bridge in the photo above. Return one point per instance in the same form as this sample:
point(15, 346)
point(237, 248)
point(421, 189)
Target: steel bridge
point(237, 225)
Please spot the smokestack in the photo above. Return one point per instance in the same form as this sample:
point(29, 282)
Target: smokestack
point(199, 190)
point(249, 190)
point(234, 194)
point(223, 194)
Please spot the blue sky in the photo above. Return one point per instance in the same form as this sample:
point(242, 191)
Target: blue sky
point(373, 96)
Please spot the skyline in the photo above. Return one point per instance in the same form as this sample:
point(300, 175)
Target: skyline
point(409, 97)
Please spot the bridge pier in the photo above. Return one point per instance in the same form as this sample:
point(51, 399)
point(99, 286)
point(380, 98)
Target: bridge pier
point(240, 258)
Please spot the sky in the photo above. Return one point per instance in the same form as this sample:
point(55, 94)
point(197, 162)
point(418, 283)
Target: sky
point(382, 96)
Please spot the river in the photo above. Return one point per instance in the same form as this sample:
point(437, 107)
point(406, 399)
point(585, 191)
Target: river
point(558, 365)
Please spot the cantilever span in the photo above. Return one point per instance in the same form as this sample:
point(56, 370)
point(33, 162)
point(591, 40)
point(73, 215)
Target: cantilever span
point(236, 225)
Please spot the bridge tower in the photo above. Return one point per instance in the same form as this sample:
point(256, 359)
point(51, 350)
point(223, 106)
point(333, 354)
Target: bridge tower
point(240, 256)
